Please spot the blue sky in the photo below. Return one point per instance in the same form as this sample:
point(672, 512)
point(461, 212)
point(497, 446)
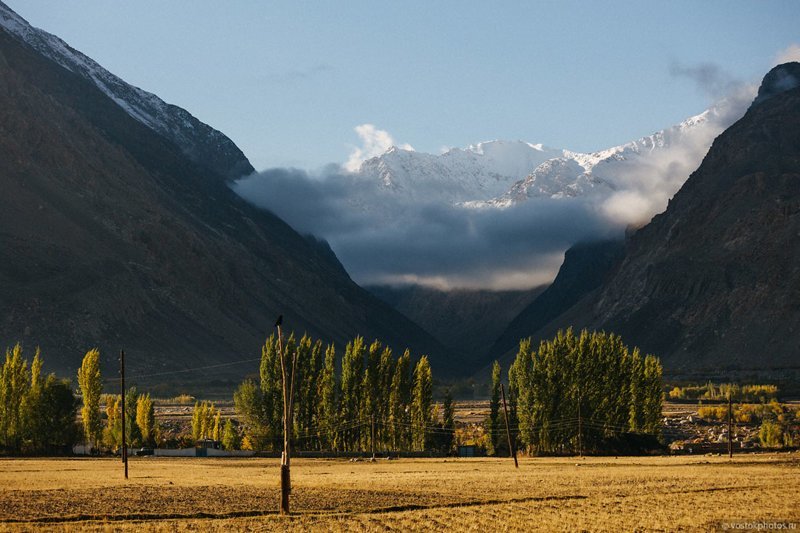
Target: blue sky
point(289, 81)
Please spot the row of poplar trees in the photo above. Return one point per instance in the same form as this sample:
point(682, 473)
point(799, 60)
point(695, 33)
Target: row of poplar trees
point(37, 411)
point(340, 404)
point(579, 391)
point(98, 431)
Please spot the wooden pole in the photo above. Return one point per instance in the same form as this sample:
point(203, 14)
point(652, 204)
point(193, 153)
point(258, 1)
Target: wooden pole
point(508, 428)
point(122, 390)
point(730, 425)
point(372, 438)
point(285, 474)
point(580, 441)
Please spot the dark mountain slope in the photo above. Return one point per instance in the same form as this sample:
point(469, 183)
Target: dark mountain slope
point(110, 236)
point(714, 281)
point(586, 266)
point(466, 321)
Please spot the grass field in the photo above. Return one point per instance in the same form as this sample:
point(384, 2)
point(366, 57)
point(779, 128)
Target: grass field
point(602, 494)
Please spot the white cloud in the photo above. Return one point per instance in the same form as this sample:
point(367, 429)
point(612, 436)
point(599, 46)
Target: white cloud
point(374, 142)
point(789, 54)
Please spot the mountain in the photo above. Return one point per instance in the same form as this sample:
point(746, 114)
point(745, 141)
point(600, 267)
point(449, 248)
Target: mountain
point(199, 142)
point(478, 172)
point(466, 321)
point(713, 283)
point(604, 172)
point(112, 236)
point(586, 266)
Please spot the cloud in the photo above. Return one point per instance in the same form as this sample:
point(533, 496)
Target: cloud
point(374, 142)
point(646, 183)
point(709, 77)
point(789, 54)
point(382, 238)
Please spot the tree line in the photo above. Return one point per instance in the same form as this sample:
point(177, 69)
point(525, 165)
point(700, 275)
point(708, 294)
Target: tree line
point(365, 398)
point(37, 412)
point(577, 392)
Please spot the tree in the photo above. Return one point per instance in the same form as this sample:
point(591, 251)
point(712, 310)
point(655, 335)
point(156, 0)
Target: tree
point(253, 413)
point(352, 380)
point(326, 404)
point(14, 385)
point(493, 426)
point(146, 419)
point(422, 403)
point(57, 430)
point(230, 437)
point(91, 384)
point(400, 403)
point(449, 420)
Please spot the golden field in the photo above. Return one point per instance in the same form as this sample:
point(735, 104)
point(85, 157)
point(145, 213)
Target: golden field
point(483, 494)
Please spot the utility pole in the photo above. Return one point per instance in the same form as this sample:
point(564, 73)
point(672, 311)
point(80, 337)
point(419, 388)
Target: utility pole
point(730, 425)
point(372, 439)
point(122, 390)
point(287, 382)
point(508, 428)
point(580, 438)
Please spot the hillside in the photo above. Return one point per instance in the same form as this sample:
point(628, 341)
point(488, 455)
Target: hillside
point(466, 321)
point(112, 237)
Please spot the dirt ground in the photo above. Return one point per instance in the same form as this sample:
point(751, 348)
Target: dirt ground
point(596, 494)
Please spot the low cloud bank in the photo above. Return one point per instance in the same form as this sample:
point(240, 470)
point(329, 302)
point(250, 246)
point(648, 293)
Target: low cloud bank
point(382, 239)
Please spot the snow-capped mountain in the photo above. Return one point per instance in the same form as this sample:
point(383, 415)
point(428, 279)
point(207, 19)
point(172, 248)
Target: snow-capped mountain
point(200, 142)
point(499, 174)
point(619, 168)
point(478, 172)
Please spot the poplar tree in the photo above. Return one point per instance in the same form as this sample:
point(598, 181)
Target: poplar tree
point(352, 380)
point(448, 420)
point(14, 385)
point(146, 419)
point(421, 403)
point(493, 428)
point(91, 385)
point(400, 403)
point(327, 407)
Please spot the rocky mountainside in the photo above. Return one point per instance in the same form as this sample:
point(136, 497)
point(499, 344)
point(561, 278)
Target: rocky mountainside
point(714, 281)
point(466, 321)
point(586, 266)
point(110, 236)
point(198, 141)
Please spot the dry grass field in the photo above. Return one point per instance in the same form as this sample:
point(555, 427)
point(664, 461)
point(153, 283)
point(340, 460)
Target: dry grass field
point(594, 494)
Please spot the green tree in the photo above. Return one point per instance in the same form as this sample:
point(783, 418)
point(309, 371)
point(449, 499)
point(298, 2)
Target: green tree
point(91, 384)
point(493, 426)
point(253, 413)
point(230, 437)
point(400, 404)
point(449, 420)
point(422, 403)
point(14, 385)
point(146, 419)
point(327, 406)
point(57, 430)
point(352, 381)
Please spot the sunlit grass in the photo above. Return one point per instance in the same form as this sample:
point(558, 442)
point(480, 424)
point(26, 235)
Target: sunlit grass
point(661, 493)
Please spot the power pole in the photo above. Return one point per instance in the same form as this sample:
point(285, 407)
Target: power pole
point(508, 428)
point(122, 390)
point(580, 439)
point(287, 383)
point(730, 425)
point(372, 439)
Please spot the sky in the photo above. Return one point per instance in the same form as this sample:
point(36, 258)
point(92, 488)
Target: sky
point(290, 82)
point(308, 90)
